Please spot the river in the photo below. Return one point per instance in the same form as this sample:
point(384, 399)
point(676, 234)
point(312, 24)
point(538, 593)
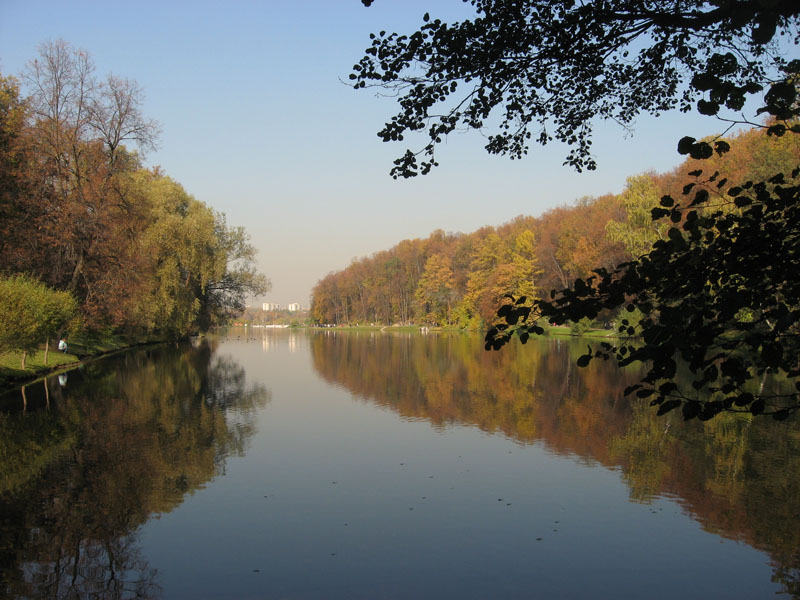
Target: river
point(330, 464)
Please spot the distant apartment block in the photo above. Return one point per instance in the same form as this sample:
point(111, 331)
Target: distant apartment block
point(293, 307)
point(270, 306)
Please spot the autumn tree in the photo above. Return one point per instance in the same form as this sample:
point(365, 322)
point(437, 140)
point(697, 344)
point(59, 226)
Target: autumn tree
point(436, 290)
point(15, 220)
point(482, 295)
point(710, 292)
point(549, 227)
point(527, 256)
point(82, 133)
point(322, 300)
point(80, 213)
point(752, 157)
point(720, 296)
point(582, 244)
point(522, 265)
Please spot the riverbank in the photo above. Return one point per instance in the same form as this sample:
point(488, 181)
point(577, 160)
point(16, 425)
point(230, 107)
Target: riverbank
point(555, 331)
point(79, 349)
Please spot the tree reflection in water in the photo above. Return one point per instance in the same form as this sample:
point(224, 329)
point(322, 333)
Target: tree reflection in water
point(738, 476)
point(85, 465)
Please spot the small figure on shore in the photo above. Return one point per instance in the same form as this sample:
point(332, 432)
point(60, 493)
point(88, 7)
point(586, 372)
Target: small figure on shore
point(62, 345)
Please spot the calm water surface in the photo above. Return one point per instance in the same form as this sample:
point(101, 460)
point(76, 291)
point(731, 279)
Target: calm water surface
point(282, 464)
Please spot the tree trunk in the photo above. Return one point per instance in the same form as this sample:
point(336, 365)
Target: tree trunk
point(564, 282)
point(24, 356)
point(46, 349)
point(76, 273)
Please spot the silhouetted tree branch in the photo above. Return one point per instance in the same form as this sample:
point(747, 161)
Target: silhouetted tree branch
point(546, 70)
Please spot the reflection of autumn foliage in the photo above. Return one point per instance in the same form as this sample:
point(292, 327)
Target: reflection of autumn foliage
point(128, 440)
point(738, 476)
point(528, 396)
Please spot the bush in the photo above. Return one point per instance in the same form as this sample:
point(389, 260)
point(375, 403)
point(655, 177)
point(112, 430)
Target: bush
point(31, 313)
point(581, 327)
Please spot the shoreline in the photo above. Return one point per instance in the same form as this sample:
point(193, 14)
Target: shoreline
point(554, 331)
point(14, 377)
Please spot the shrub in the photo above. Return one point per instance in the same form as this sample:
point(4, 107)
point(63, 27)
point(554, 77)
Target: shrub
point(31, 313)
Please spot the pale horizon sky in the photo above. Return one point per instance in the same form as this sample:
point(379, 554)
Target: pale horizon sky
point(257, 122)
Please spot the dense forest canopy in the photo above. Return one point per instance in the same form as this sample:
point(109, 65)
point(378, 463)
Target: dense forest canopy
point(460, 279)
point(81, 213)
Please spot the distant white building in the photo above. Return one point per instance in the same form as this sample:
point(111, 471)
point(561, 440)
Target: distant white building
point(270, 306)
point(293, 307)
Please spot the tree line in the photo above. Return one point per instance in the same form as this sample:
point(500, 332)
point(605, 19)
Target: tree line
point(81, 214)
point(719, 293)
point(461, 280)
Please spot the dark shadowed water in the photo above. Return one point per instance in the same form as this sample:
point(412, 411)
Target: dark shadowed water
point(281, 464)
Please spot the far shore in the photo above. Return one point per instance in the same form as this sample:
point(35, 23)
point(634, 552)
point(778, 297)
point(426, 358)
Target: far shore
point(91, 347)
point(553, 330)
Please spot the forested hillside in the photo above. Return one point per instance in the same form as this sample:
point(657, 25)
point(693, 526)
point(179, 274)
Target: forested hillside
point(460, 279)
point(80, 213)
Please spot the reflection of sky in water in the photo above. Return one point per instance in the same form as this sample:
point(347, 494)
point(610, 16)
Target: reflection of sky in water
point(341, 498)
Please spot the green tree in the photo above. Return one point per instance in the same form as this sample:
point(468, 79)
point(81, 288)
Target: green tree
point(178, 244)
point(639, 231)
point(31, 313)
point(199, 269)
point(224, 295)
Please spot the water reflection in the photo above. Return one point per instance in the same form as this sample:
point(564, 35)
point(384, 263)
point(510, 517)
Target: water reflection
point(84, 462)
point(334, 498)
point(276, 339)
point(738, 476)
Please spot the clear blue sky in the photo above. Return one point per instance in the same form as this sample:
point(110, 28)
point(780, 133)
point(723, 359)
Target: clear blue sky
point(258, 124)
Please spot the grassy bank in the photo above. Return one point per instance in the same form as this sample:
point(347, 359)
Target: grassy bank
point(80, 347)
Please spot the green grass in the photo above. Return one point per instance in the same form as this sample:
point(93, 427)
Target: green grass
point(11, 364)
point(592, 333)
point(92, 344)
point(80, 346)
